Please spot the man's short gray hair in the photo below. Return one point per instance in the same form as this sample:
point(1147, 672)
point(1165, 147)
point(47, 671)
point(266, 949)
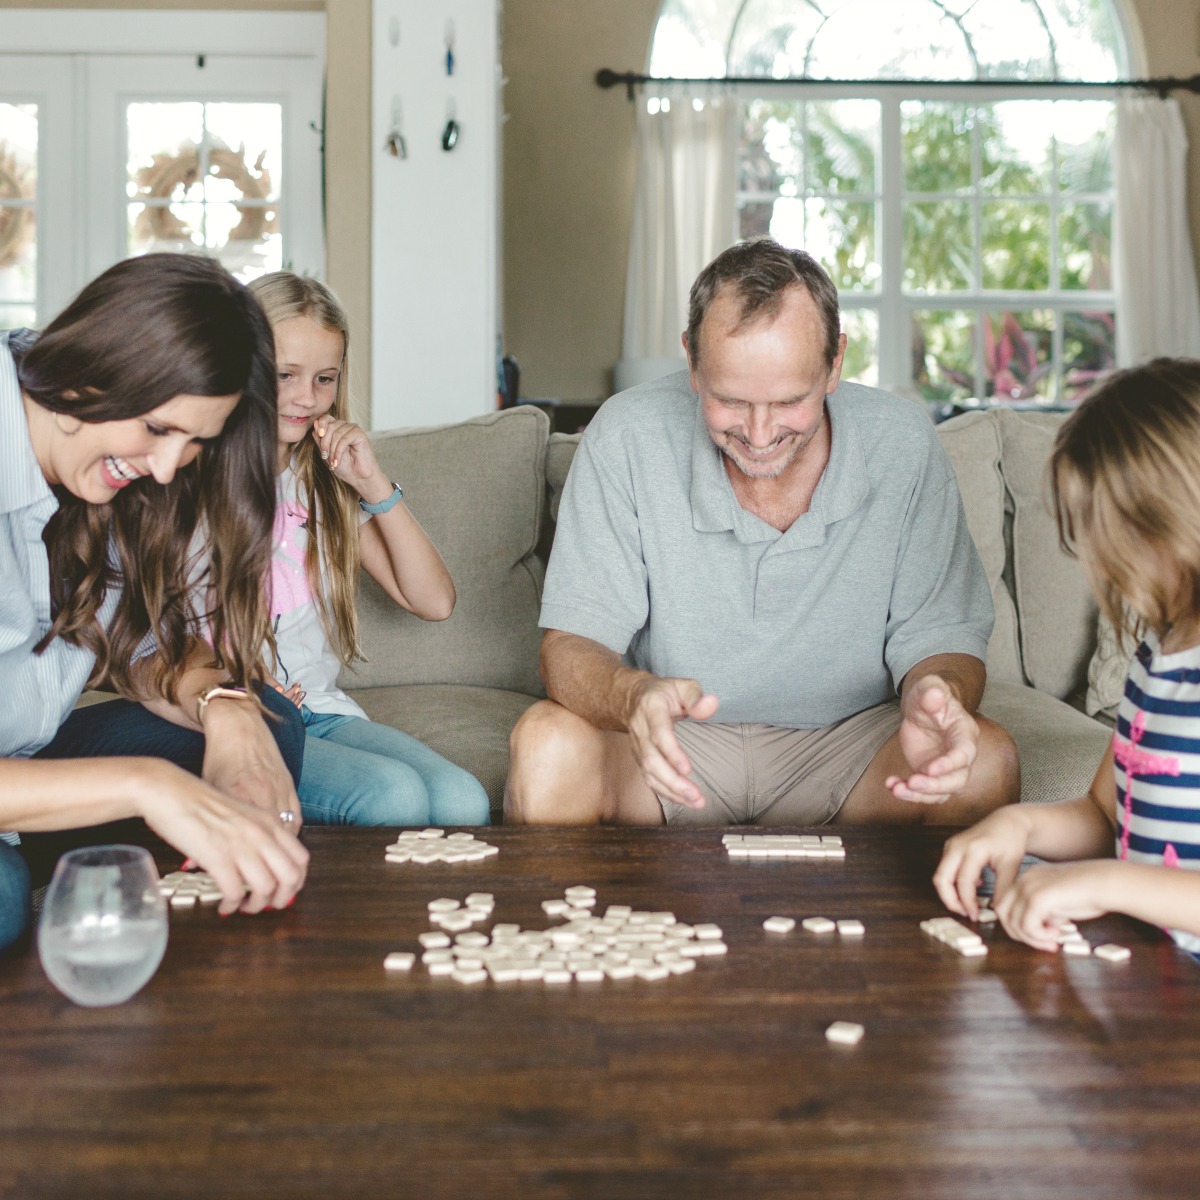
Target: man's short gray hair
point(761, 271)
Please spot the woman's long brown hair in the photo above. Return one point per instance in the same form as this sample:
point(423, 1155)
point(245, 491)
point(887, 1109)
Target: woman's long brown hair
point(188, 557)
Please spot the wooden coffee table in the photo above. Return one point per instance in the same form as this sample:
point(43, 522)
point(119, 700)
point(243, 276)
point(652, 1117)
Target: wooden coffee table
point(273, 1056)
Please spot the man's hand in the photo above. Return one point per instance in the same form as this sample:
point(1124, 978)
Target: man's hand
point(242, 760)
point(657, 705)
point(940, 740)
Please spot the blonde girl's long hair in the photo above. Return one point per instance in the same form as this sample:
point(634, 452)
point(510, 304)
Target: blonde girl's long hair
point(1125, 481)
point(145, 331)
point(332, 505)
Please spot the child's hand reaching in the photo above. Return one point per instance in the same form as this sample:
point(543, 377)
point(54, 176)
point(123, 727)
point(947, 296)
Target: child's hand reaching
point(1034, 909)
point(999, 842)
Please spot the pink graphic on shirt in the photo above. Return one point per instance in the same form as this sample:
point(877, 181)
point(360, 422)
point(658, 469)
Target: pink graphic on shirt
point(1137, 761)
point(289, 580)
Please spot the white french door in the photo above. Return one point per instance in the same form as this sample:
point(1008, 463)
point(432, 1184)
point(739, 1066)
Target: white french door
point(130, 143)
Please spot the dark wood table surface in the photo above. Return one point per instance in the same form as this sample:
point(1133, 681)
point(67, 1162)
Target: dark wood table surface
point(273, 1056)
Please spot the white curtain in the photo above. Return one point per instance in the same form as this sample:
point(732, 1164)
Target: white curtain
point(683, 217)
point(1158, 306)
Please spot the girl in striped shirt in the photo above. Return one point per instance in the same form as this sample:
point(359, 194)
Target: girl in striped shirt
point(1125, 473)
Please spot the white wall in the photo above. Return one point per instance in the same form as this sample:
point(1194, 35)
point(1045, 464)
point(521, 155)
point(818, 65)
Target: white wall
point(434, 303)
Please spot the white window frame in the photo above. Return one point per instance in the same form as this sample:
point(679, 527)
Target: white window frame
point(893, 306)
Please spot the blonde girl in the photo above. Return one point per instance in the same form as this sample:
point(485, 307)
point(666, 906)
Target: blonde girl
point(1125, 474)
point(336, 509)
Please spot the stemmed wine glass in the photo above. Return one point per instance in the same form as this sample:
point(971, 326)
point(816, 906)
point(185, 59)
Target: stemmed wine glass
point(103, 928)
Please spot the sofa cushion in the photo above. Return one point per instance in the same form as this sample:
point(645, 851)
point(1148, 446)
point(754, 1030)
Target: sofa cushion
point(478, 488)
point(1059, 747)
point(560, 450)
point(467, 725)
point(1107, 671)
point(1055, 608)
point(972, 440)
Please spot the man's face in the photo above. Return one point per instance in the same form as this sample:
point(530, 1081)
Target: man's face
point(762, 388)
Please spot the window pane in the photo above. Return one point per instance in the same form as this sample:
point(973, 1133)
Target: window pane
point(208, 179)
point(176, 228)
point(861, 364)
point(1089, 350)
point(245, 151)
point(1085, 246)
point(770, 151)
point(880, 38)
point(938, 246)
point(1083, 133)
point(18, 254)
point(1010, 39)
point(1016, 355)
point(771, 37)
point(18, 216)
point(754, 218)
point(18, 316)
point(843, 145)
point(943, 353)
point(841, 236)
point(1016, 139)
point(245, 239)
point(936, 140)
point(1016, 246)
point(164, 156)
point(18, 151)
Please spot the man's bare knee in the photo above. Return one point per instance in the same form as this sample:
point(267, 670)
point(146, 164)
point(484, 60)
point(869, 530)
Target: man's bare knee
point(550, 750)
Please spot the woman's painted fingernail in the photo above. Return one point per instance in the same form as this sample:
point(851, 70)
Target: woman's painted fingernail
point(188, 864)
point(290, 902)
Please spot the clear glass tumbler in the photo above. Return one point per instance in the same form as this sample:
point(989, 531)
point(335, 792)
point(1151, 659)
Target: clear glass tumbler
point(103, 929)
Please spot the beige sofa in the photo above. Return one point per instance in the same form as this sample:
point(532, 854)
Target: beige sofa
point(487, 490)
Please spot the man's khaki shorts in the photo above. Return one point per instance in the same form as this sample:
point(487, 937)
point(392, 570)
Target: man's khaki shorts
point(765, 775)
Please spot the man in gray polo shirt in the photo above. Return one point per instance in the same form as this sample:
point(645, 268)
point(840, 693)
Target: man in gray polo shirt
point(750, 563)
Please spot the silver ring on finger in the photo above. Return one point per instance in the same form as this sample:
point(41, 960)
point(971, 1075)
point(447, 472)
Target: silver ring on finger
point(287, 817)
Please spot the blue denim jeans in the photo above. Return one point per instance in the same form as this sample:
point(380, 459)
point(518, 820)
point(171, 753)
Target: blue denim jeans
point(357, 772)
point(14, 895)
point(122, 727)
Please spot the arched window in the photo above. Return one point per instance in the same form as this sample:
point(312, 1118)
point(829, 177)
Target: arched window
point(967, 224)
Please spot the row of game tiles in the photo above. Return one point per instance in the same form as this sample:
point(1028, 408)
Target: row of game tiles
point(434, 845)
point(783, 845)
point(969, 944)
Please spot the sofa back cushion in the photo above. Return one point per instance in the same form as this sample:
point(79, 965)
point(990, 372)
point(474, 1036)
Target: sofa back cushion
point(478, 489)
point(1057, 611)
point(972, 440)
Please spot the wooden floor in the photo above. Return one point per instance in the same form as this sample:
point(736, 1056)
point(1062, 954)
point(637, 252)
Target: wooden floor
point(274, 1057)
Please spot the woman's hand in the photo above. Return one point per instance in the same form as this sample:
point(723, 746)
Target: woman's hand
point(248, 851)
point(242, 760)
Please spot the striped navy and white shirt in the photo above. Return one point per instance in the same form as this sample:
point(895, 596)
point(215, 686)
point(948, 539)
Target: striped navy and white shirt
point(37, 691)
point(1156, 759)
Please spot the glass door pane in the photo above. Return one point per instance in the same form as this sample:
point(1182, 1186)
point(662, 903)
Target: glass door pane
point(206, 177)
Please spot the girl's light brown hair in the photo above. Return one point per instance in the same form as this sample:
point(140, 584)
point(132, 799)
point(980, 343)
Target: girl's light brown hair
point(1125, 481)
point(145, 331)
point(332, 505)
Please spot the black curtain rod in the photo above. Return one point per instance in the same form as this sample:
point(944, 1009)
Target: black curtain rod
point(606, 77)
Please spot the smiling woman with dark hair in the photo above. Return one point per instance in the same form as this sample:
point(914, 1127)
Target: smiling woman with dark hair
point(137, 444)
